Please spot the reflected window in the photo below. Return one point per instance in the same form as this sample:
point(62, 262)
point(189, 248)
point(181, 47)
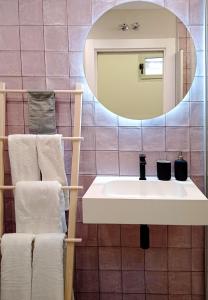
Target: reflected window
point(151, 65)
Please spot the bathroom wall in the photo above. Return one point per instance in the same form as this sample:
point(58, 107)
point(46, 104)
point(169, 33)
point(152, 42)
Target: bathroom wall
point(41, 43)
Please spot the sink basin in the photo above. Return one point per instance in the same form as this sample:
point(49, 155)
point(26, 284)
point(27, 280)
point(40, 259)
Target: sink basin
point(127, 200)
point(153, 189)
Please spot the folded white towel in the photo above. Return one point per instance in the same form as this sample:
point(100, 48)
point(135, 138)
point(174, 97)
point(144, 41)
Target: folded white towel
point(23, 157)
point(39, 207)
point(51, 160)
point(48, 275)
point(16, 266)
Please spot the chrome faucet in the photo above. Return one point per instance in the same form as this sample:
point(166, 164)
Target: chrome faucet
point(142, 163)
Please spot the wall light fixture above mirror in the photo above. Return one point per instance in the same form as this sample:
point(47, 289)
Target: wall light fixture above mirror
point(139, 73)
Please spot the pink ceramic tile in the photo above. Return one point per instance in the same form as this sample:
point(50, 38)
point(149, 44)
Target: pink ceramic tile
point(59, 83)
point(88, 234)
point(56, 38)
point(89, 138)
point(30, 12)
point(199, 181)
point(156, 259)
point(153, 138)
point(130, 139)
point(57, 63)
point(87, 258)
point(197, 92)
point(180, 297)
point(133, 281)
point(33, 63)
point(110, 281)
point(129, 162)
point(85, 181)
point(106, 138)
point(179, 259)
point(9, 38)
point(12, 82)
point(87, 281)
point(9, 12)
point(76, 64)
point(10, 64)
point(158, 121)
point(63, 114)
point(179, 283)
point(87, 162)
point(181, 29)
point(198, 35)
point(179, 116)
point(197, 12)
point(177, 138)
point(197, 114)
point(198, 286)
point(14, 113)
point(101, 6)
point(134, 297)
point(156, 282)
point(158, 236)
point(77, 37)
point(128, 122)
point(200, 66)
point(132, 259)
point(179, 236)
point(31, 38)
point(79, 12)
point(87, 93)
point(198, 236)
point(107, 162)
point(180, 8)
point(54, 13)
point(157, 297)
point(109, 235)
point(109, 296)
point(197, 163)
point(109, 258)
point(197, 297)
point(130, 235)
point(88, 118)
point(198, 259)
point(87, 296)
point(34, 83)
point(197, 138)
point(103, 117)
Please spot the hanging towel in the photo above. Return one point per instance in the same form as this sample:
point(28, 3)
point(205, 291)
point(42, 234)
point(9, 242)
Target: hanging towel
point(51, 160)
point(48, 275)
point(39, 207)
point(23, 157)
point(16, 266)
point(42, 114)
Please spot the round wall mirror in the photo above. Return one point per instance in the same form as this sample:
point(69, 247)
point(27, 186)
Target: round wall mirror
point(139, 60)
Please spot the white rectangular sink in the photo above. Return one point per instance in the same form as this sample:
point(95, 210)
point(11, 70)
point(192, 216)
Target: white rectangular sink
point(128, 200)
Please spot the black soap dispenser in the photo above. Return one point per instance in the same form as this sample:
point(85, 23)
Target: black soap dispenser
point(181, 168)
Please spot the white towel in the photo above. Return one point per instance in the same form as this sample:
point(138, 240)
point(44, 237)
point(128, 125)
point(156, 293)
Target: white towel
point(39, 207)
point(48, 275)
point(51, 160)
point(16, 266)
point(23, 157)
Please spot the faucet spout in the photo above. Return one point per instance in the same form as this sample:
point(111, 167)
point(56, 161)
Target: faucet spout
point(142, 163)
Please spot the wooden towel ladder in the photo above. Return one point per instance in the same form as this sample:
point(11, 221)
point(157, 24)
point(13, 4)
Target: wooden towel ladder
point(74, 188)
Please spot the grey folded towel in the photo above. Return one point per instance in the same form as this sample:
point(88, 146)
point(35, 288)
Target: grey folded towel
point(42, 114)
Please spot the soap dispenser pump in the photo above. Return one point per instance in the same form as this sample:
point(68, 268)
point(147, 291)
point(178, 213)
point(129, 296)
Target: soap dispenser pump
point(181, 168)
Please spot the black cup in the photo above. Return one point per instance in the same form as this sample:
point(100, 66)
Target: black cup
point(163, 169)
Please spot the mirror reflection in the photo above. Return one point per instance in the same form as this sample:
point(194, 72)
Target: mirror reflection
point(139, 60)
